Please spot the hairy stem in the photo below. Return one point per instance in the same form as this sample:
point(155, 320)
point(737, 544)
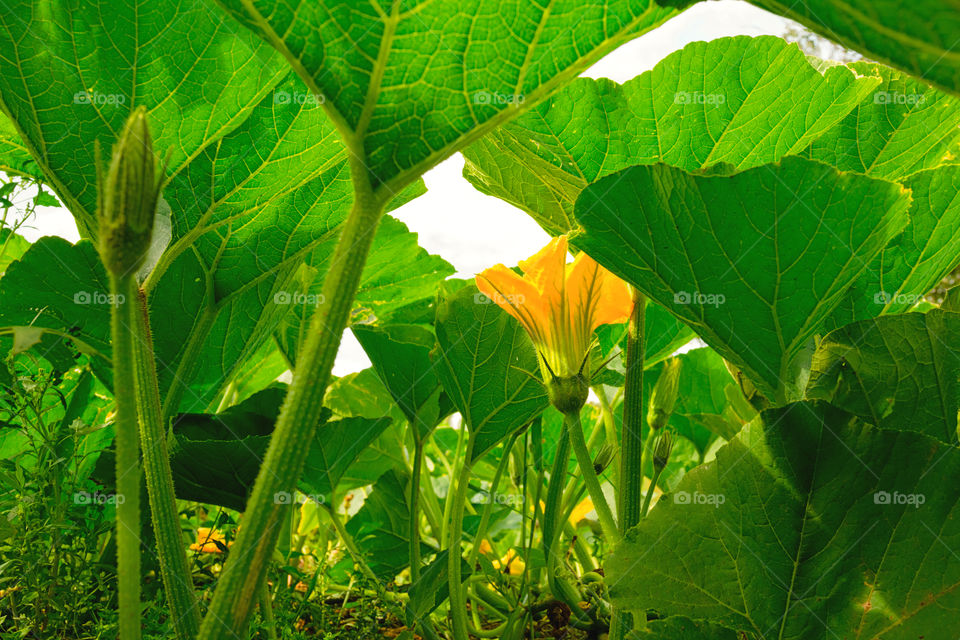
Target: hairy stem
point(177, 582)
point(238, 587)
point(458, 594)
point(127, 456)
point(488, 507)
point(630, 496)
point(572, 424)
point(415, 510)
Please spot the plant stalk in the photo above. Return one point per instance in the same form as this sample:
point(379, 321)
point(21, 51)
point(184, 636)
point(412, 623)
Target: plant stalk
point(571, 422)
point(414, 506)
point(127, 456)
point(177, 582)
point(237, 590)
point(458, 594)
point(630, 496)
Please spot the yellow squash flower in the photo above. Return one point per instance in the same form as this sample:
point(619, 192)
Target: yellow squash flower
point(207, 539)
point(560, 304)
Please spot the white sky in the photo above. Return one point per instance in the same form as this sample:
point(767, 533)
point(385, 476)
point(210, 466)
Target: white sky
point(473, 231)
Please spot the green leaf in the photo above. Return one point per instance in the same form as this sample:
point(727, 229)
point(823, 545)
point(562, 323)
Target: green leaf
point(215, 458)
point(62, 289)
point(754, 261)
point(916, 260)
point(664, 333)
point(432, 589)
point(679, 628)
point(902, 127)
point(398, 273)
point(75, 70)
point(702, 399)
point(12, 247)
point(743, 101)
point(401, 357)
point(15, 159)
point(488, 367)
point(898, 372)
point(919, 37)
point(808, 522)
point(408, 85)
point(381, 527)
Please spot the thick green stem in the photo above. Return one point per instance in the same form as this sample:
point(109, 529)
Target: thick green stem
point(575, 430)
point(458, 593)
point(631, 448)
point(414, 506)
point(177, 582)
point(238, 587)
point(553, 516)
point(266, 611)
point(127, 456)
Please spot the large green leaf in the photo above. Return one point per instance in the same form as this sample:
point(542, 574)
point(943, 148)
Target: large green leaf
point(809, 524)
point(902, 127)
point(74, 69)
point(919, 37)
point(743, 101)
point(215, 458)
point(754, 261)
point(488, 367)
point(898, 371)
point(916, 260)
point(257, 181)
point(410, 83)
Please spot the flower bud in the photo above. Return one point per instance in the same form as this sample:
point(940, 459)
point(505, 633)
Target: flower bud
point(604, 458)
point(568, 394)
point(661, 450)
point(128, 198)
point(664, 395)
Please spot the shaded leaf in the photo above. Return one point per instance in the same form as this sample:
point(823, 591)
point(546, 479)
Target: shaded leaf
point(754, 261)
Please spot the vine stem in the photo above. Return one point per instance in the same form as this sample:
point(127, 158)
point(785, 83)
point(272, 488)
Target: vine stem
point(177, 583)
point(575, 430)
point(238, 587)
point(458, 593)
point(414, 499)
point(488, 507)
point(630, 495)
point(127, 457)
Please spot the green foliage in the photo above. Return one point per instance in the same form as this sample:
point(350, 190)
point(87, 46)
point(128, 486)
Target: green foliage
point(790, 213)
